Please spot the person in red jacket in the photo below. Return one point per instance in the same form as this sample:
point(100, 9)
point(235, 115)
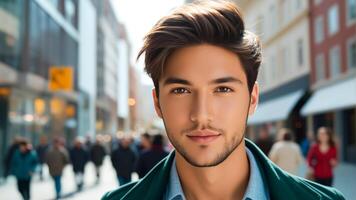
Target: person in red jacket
point(322, 157)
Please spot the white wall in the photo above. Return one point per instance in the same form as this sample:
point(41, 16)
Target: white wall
point(87, 65)
point(273, 22)
point(110, 59)
point(123, 80)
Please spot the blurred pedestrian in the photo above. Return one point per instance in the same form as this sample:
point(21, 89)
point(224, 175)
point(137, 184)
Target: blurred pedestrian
point(88, 142)
point(41, 150)
point(145, 142)
point(79, 156)
point(307, 143)
point(264, 141)
point(286, 153)
point(322, 157)
point(149, 158)
point(123, 160)
point(97, 154)
point(57, 158)
point(23, 165)
point(9, 154)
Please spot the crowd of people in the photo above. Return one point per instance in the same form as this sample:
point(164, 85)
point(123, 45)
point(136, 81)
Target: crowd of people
point(127, 155)
point(320, 154)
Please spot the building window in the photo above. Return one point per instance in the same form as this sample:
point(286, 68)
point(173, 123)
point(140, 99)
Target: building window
point(351, 10)
point(299, 4)
point(334, 61)
point(273, 19)
point(320, 67)
point(283, 60)
point(333, 20)
point(259, 26)
point(11, 24)
point(274, 69)
point(300, 52)
point(285, 11)
point(317, 2)
point(351, 52)
point(319, 29)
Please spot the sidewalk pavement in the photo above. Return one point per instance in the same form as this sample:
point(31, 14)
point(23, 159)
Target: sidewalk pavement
point(345, 181)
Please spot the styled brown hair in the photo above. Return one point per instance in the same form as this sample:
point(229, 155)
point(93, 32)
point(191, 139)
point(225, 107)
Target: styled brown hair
point(204, 22)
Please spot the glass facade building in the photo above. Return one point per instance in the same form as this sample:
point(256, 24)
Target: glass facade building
point(33, 38)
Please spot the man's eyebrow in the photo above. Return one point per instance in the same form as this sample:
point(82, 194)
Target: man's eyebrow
point(175, 80)
point(226, 80)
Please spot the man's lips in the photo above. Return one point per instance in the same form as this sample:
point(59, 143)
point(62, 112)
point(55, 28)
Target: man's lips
point(203, 136)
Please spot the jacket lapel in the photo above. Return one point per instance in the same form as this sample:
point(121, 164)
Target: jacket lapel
point(154, 184)
point(280, 184)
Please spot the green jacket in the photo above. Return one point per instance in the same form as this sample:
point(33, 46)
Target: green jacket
point(281, 185)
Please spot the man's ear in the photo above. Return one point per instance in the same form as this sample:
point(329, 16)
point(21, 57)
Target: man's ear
point(254, 99)
point(156, 103)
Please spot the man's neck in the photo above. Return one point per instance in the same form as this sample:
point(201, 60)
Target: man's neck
point(228, 180)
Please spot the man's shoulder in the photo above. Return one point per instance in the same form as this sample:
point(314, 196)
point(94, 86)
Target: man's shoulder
point(118, 193)
point(305, 187)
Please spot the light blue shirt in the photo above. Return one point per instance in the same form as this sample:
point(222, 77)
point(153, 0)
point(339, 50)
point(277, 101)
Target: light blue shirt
point(256, 189)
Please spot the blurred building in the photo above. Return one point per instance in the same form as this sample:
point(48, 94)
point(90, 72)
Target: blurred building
point(126, 94)
point(133, 98)
point(107, 66)
point(37, 36)
point(283, 28)
point(333, 71)
point(87, 69)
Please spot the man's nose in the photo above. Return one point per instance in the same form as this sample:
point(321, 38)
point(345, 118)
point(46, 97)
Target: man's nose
point(201, 109)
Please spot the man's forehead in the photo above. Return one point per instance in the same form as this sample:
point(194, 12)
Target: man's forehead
point(206, 61)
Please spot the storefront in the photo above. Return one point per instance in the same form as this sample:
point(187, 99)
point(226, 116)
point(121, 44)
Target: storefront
point(335, 106)
point(277, 113)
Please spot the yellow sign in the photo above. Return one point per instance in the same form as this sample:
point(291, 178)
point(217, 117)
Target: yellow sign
point(60, 78)
point(4, 92)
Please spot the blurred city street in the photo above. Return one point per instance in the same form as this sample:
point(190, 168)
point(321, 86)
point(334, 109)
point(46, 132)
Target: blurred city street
point(74, 95)
point(44, 190)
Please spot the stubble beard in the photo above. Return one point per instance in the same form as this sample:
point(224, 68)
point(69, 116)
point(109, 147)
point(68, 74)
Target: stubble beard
point(229, 148)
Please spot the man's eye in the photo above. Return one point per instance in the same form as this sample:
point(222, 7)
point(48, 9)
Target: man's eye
point(223, 89)
point(179, 91)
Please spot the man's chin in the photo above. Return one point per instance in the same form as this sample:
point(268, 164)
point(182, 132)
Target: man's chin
point(201, 160)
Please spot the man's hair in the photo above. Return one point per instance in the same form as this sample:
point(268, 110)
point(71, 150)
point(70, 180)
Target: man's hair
point(204, 22)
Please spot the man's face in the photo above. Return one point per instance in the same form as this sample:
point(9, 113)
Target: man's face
point(204, 102)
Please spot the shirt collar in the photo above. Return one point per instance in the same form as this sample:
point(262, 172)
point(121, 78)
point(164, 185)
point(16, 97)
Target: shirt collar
point(256, 189)
point(174, 188)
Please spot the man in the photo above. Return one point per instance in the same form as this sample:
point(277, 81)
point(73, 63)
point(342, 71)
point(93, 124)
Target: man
point(97, 154)
point(79, 156)
point(145, 143)
point(149, 158)
point(123, 160)
point(264, 141)
point(57, 158)
point(286, 153)
point(204, 66)
point(9, 154)
point(41, 150)
point(23, 165)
